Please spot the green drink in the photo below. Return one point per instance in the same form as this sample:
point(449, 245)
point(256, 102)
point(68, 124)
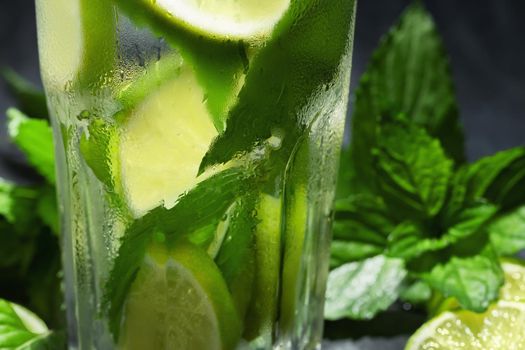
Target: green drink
point(197, 146)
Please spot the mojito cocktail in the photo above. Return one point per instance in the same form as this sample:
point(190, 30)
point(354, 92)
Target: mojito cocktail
point(197, 146)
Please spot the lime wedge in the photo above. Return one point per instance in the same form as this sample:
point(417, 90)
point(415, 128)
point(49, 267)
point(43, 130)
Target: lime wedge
point(162, 143)
point(262, 311)
point(179, 300)
point(501, 327)
point(226, 19)
point(77, 41)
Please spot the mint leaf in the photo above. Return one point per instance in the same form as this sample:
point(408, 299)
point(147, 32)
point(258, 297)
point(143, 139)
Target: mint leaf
point(342, 252)
point(498, 177)
point(360, 229)
point(410, 240)
point(17, 206)
point(236, 250)
point(21, 329)
point(286, 76)
point(31, 100)
point(99, 149)
point(409, 74)
point(413, 171)
point(35, 138)
point(471, 220)
point(473, 279)
point(202, 207)
point(418, 292)
point(507, 233)
point(360, 290)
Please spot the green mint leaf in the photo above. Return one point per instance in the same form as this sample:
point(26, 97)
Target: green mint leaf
point(342, 252)
point(474, 279)
point(35, 138)
point(360, 290)
point(507, 188)
point(485, 173)
point(31, 100)
point(286, 77)
point(21, 329)
point(238, 243)
point(360, 229)
point(202, 207)
point(409, 74)
point(507, 233)
point(236, 258)
point(17, 206)
point(471, 220)
point(47, 208)
point(497, 178)
point(99, 149)
point(416, 293)
point(410, 240)
point(413, 171)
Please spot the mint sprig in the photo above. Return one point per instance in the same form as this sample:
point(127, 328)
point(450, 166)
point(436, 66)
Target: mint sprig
point(405, 190)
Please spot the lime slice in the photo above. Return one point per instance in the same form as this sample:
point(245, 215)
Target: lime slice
point(514, 287)
point(179, 300)
point(77, 41)
point(162, 138)
point(262, 312)
point(227, 19)
point(501, 327)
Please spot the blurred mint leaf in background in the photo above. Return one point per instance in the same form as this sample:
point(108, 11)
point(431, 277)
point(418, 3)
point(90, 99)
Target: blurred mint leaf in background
point(409, 74)
point(22, 330)
point(412, 170)
point(29, 250)
point(35, 138)
point(474, 280)
point(361, 289)
point(405, 190)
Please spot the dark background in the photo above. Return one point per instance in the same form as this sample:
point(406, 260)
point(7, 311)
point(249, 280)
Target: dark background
point(485, 39)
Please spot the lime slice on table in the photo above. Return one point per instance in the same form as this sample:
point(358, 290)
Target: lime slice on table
point(179, 300)
point(77, 40)
point(224, 19)
point(151, 154)
point(502, 326)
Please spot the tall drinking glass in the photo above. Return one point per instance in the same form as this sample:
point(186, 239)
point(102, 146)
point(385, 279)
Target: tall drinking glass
point(197, 146)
